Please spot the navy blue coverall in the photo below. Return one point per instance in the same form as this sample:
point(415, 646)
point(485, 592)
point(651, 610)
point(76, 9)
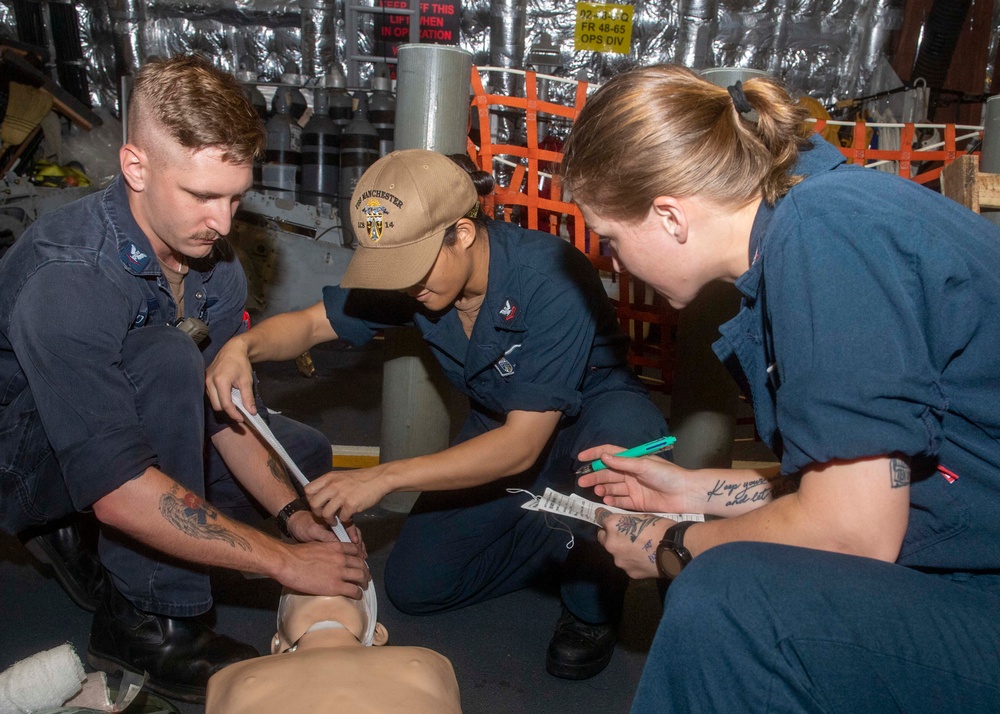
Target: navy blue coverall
point(878, 303)
point(95, 387)
point(546, 339)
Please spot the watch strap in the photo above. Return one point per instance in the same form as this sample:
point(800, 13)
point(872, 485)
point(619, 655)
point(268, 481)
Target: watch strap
point(299, 504)
point(673, 540)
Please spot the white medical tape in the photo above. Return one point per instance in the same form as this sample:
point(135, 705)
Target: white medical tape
point(261, 427)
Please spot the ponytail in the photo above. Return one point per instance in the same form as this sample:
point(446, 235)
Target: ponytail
point(780, 128)
point(665, 131)
point(483, 182)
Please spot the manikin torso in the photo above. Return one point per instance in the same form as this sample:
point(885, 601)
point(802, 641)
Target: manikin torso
point(330, 670)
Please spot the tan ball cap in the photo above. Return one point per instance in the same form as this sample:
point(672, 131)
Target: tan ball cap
point(400, 211)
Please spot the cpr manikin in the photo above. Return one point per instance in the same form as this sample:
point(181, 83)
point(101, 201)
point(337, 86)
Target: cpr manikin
point(319, 664)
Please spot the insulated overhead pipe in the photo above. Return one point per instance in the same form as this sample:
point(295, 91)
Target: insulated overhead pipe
point(544, 58)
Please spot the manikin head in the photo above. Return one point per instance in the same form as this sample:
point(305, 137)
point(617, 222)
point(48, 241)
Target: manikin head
point(297, 613)
point(192, 139)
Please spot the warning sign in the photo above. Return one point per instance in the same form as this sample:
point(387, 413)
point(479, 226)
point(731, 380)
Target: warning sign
point(439, 24)
point(603, 28)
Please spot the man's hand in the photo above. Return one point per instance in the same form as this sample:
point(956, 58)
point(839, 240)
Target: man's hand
point(648, 484)
point(632, 539)
point(324, 569)
point(344, 493)
point(231, 368)
point(157, 511)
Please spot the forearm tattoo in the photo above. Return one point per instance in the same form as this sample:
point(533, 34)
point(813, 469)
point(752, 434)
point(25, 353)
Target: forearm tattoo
point(633, 526)
point(738, 493)
point(194, 517)
point(899, 473)
point(277, 470)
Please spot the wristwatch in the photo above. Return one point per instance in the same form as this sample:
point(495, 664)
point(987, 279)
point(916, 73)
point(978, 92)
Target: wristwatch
point(671, 555)
point(299, 504)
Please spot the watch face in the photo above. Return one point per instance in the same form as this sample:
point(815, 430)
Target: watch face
point(670, 562)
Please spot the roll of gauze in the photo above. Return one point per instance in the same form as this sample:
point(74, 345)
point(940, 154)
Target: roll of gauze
point(46, 679)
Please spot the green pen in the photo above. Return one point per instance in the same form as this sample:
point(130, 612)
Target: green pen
point(653, 447)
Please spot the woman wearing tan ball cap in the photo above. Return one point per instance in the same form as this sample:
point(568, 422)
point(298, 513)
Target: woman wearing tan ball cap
point(520, 323)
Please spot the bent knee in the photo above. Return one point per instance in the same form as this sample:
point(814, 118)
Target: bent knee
point(728, 577)
point(413, 587)
point(406, 589)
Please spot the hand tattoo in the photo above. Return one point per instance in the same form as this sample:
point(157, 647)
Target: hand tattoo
point(899, 473)
point(196, 518)
point(633, 526)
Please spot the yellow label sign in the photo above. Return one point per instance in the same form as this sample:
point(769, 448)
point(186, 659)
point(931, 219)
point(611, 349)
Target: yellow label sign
point(603, 28)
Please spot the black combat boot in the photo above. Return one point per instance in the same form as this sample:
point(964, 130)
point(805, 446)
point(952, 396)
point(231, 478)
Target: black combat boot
point(71, 552)
point(179, 653)
point(579, 650)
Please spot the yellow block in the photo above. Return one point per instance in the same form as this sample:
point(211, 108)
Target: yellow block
point(603, 27)
point(354, 457)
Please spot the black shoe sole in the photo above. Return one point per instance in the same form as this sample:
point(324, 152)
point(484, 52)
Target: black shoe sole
point(563, 670)
point(114, 667)
point(38, 548)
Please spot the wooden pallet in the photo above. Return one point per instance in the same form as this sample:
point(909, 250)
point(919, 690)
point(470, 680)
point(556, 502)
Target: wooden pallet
point(962, 181)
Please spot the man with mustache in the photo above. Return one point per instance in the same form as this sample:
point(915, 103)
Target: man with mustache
point(110, 308)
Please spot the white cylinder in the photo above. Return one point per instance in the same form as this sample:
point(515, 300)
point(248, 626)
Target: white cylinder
point(418, 405)
point(432, 112)
point(432, 98)
point(727, 76)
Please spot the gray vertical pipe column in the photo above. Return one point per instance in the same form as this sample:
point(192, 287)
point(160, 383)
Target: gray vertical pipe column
point(432, 112)
point(705, 397)
point(433, 84)
point(989, 157)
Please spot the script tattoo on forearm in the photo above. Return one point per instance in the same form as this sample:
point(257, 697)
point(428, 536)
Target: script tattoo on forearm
point(899, 472)
point(633, 526)
point(194, 517)
point(740, 492)
point(651, 550)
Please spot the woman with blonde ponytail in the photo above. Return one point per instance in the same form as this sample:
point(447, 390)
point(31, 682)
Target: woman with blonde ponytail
point(864, 573)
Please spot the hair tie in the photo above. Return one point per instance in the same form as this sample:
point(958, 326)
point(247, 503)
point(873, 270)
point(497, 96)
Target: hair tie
point(741, 103)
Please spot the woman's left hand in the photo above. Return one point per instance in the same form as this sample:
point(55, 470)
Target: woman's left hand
point(341, 494)
point(632, 540)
